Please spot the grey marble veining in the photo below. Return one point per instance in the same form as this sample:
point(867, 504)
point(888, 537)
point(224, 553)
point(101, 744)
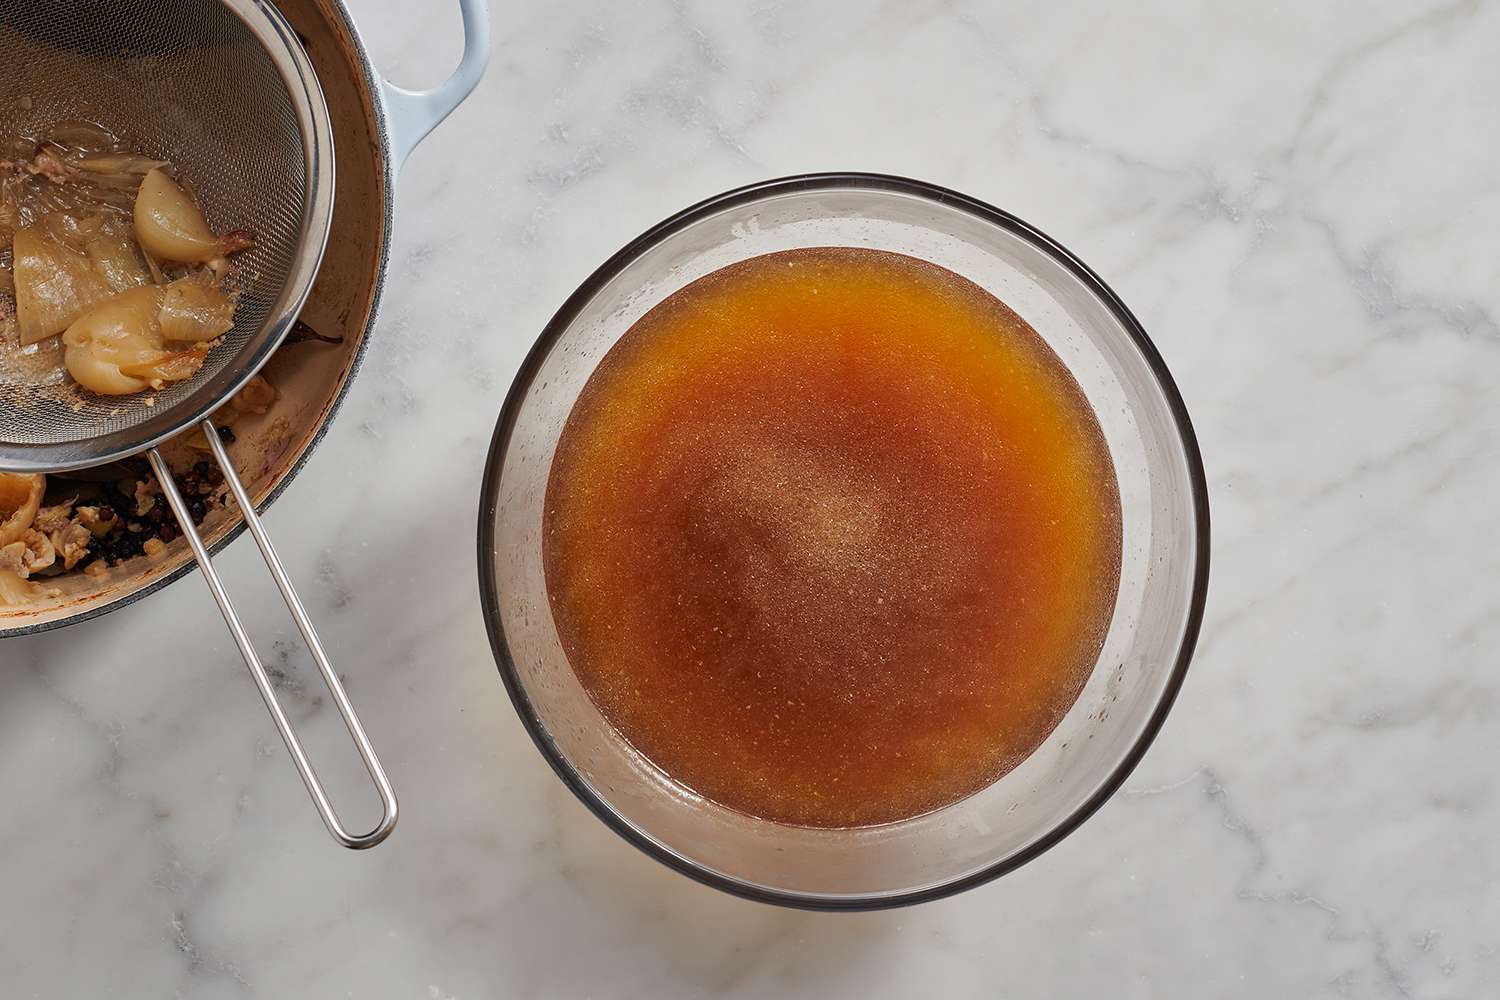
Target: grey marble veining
point(1300, 202)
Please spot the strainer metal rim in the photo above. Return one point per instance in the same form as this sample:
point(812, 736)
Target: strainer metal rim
point(286, 53)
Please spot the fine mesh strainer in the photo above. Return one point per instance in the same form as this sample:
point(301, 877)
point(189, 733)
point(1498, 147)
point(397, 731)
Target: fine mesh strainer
point(224, 90)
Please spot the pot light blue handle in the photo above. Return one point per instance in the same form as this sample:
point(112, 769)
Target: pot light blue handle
point(411, 114)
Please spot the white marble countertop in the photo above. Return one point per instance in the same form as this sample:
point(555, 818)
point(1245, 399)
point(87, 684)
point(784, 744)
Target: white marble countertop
point(1300, 202)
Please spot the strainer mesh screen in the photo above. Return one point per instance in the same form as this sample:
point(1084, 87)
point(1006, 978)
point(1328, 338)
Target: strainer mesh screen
point(178, 80)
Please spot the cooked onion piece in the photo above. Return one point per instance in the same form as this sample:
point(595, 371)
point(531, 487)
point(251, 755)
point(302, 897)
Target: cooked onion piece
point(170, 226)
point(156, 272)
point(120, 346)
point(169, 366)
point(54, 284)
point(122, 331)
point(116, 259)
point(116, 164)
point(194, 309)
point(20, 496)
point(15, 591)
point(31, 553)
point(71, 543)
point(66, 264)
point(84, 136)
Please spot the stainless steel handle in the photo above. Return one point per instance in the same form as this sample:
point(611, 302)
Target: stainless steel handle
point(309, 635)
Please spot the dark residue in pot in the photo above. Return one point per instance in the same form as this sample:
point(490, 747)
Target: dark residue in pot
point(127, 513)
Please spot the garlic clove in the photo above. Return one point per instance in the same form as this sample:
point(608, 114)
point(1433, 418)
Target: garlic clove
point(170, 226)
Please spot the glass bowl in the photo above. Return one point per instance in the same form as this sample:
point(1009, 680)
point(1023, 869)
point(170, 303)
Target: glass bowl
point(1164, 570)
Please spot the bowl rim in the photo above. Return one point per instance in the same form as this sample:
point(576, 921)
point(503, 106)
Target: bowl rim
point(490, 584)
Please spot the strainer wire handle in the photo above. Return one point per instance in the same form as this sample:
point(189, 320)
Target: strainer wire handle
point(252, 660)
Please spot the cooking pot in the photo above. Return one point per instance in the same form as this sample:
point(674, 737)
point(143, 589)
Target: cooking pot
point(375, 125)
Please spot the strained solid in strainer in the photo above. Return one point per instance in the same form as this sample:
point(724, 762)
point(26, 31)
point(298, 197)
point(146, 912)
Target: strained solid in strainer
point(223, 92)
